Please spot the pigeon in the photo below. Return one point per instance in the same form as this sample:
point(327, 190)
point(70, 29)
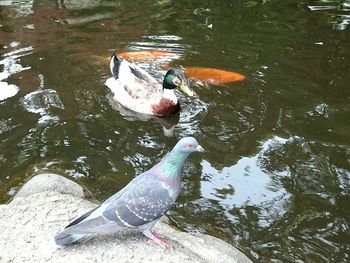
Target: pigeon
point(141, 203)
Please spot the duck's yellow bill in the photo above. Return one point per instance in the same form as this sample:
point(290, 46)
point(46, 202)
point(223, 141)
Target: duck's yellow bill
point(185, 89)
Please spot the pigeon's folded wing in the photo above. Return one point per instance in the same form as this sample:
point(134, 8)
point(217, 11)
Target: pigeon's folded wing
point(145, 201)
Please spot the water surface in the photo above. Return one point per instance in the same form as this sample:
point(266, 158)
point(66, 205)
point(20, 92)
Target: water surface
point(275, 178)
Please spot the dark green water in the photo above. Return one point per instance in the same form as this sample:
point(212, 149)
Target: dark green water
point(275, 180)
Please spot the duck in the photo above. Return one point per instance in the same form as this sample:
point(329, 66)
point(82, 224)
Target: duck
point(136, 90)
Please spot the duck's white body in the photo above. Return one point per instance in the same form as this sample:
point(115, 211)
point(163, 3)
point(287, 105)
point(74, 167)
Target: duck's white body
point(138, 91)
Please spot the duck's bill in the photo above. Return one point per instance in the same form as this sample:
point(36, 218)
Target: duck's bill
point(185, 89)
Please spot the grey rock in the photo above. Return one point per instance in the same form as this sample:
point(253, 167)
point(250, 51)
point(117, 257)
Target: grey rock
point(52, 183)
point(48, 202)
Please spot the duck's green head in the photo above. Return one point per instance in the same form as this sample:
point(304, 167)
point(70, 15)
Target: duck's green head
point(175, 78)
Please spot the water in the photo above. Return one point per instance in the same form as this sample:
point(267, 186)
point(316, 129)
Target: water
point(275, 178)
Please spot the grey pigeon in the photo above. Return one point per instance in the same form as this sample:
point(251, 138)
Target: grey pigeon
point(139, 204)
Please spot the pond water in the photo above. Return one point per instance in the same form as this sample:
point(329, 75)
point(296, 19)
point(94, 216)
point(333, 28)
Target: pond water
point(275, 178)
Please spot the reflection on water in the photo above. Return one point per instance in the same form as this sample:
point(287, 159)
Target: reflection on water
point(11, 66)
point(275, 177)
point(339, 10)
point(242, 183)
point(6, 90)
point(18, 8)
point(78, 5)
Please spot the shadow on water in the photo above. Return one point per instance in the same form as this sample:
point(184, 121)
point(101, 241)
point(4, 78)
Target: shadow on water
point(275, 178)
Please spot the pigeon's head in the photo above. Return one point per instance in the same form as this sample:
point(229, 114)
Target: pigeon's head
point(188, 145)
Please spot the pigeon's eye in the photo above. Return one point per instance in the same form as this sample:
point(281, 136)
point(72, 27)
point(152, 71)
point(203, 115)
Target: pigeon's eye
point(189, 145)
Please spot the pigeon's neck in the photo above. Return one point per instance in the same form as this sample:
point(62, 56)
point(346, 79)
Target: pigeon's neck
point(171, 165)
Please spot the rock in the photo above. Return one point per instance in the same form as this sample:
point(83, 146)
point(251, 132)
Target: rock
point(52, 183)
point(48, 202)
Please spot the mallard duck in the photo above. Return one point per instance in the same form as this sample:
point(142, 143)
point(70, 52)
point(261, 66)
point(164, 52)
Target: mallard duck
point(138, 91)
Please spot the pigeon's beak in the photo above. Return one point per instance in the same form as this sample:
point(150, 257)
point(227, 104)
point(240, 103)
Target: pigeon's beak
point(200, 148)
point(185, 89)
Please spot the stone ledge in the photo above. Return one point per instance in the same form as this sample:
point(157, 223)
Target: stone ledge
point(46, 204)
point(50, 182)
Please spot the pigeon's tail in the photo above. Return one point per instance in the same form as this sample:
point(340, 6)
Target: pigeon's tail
point(65, 238)
point(73, 232)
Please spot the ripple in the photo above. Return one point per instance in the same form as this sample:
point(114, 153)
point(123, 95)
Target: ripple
point(336, 12)
point(138, 161)
point(191, 116)
point(321, 110)
point(169, 43)
point(40, 102)
point(321, 7)
point(164, 37)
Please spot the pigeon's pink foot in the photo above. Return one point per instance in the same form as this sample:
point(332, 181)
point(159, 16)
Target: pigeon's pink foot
point(160, 242)
point(156, 239)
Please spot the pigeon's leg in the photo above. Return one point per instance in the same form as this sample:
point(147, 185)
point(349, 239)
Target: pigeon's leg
point(156, 239)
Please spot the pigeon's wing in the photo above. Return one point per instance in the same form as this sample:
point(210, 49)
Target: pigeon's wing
point(94, 220)
point(144, 201)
